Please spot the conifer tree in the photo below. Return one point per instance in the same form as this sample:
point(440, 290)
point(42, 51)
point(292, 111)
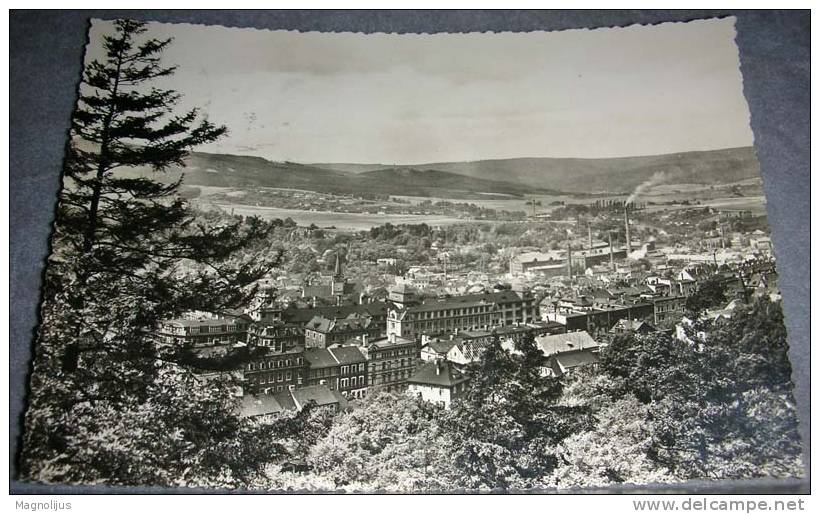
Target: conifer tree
point(127, 251)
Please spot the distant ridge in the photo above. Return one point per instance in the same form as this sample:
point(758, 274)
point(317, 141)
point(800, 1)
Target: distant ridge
point(471, 180)
point(224, 170)
point(614, 175)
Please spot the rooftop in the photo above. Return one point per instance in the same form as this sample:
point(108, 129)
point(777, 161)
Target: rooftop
point(439, 373)
point(561, 343)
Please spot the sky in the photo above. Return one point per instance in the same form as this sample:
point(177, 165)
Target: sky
point(408, 99)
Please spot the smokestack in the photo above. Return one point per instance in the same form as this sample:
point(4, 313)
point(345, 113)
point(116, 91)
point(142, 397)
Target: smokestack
point(589, 229)
point(611, 253)
point(569, 258)
point(626, 224)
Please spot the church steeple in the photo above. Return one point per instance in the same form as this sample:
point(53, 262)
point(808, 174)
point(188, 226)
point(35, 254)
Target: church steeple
point(337, 269)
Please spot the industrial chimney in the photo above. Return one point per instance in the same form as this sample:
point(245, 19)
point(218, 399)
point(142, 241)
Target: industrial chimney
point(626, 224)
point(589, 230)
point(611, 253)
point(569, 258)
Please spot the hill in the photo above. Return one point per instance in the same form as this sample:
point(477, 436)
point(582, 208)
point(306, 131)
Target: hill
point(207, 169)
point(612, 175)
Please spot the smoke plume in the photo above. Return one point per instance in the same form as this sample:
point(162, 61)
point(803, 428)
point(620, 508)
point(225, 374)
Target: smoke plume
point(646, 185)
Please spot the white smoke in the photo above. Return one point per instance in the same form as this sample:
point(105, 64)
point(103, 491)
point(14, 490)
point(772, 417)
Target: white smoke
point(646, 186)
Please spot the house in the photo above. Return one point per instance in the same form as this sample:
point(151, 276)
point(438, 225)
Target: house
point(261, 406)
point(627, 326)
point(439, 382)
point(352, 370)
point(562, 343)
point(276, 371)
point(205, 331)
point(409, 318)
point(562, 363)
point(466, 351)
point(435, 349)
point(668, 308)
point(390, 362)
point(377, 311)
point(564, 352)
point(277, 336)
point(321, 332)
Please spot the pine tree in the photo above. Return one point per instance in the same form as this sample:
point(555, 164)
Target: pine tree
point(128, 252)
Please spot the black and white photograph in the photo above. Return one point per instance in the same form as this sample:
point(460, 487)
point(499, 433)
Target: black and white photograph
point(304, 261)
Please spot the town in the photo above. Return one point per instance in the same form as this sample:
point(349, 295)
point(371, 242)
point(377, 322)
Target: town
point(408, 308)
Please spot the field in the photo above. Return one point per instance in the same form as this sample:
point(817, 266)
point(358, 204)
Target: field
point(342, 221)
point(741, 196)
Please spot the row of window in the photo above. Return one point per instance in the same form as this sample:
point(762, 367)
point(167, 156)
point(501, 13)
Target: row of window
point(352, 382)
point(270, 378)
point(444, 313)
point(395, 364)
point(394, 353)
point(395, 376)
point(216, 329)
point(352, 368)
point(253, 366)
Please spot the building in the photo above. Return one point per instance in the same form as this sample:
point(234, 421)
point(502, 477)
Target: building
point(261, 406)
point(276, 371)
point(564, 352)
point(334, 287)
point(205, 332)
point(470, 350)
point(668, 308)
point(377, 311)
point(552, 264)
point(264, 307)
point(438, 382)
point(627, 326)
point(410, 319)
point(321, 332)
point(598, 319)
point(352, 370)
point(323, 368)
point(278, 337)
point(436, 349)
point(341, 368)
point(390, 362)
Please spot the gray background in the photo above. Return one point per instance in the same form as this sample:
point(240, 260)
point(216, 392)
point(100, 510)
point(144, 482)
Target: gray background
point(46, 50)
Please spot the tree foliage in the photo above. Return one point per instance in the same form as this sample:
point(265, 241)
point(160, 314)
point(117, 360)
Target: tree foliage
point(109, 402)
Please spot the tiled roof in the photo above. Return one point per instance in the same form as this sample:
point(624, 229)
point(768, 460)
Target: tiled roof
point(439, 373)
point(353, 322)
point(320, 358)
point(441, 347)
point(473, 349)
point(210, 322)
point(347, 354)
point(259, 405)
point(386, 343)
point(294, 315)
point(570, 360)
point(317, 393)
point(560, 343)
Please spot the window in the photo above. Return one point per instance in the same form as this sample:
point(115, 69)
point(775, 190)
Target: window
point(288, 376)
point(361, 366)
point(279, 377)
